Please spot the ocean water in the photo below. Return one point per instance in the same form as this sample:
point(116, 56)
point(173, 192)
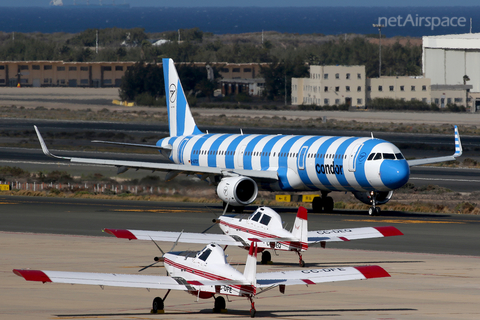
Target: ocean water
point(399, 21)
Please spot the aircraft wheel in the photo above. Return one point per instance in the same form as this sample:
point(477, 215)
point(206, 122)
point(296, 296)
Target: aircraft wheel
point(328, 204)
point(157, 305)
point(377, 211)
point(371, 211)
point(266, 257)
point(317, 205)
point(302, 263)
point(219, 304)
point(252, 313)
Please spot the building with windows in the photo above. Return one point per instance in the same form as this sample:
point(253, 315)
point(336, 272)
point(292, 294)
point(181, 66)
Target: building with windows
point(331, 85)
point(403, 88)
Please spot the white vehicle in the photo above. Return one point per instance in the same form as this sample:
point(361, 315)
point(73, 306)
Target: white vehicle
point(206, 274)
point(266, 227)
point(241, 164)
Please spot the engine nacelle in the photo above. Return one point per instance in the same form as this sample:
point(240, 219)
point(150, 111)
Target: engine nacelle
point(237, 191)
point(365, 197)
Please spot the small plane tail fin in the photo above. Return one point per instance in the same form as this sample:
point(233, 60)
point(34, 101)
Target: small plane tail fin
point(300, 228)
point(250, 271)
point(180, 119)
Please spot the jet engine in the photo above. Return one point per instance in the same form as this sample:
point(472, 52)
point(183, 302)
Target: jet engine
point(237, 191)
point(366, 197)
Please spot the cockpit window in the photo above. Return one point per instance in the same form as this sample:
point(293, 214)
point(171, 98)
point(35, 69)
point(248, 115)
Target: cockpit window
point(389, 156)
point(256, 216)
point(378, 156)
point(370, 157)
point(265, 219)
point(399, 156)
point(205, 255)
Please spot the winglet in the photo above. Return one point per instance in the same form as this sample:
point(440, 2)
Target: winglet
point(32, 275)
point(44, 146)
point(120, 233)
point(458, 144)
point(370, 272)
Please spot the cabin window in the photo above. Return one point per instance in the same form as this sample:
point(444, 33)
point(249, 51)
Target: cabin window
point(256, 217)
point(370, 157)
point(204, 255)
point(265, 219)
point(399, 156)
point(378, 156)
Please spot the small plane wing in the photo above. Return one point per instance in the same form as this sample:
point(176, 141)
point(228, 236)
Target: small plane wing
point(352, 234)
point(186, 237)
point(182, 168)
point(101, 279)
point(313, 276)
point(458, 153)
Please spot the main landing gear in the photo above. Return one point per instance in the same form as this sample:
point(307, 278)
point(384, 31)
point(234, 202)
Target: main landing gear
point(158, 305)
point(301, 263)
point(266, 257)
point(219, 305)
point(374, 210)
point(323, 203)
point(252, 309)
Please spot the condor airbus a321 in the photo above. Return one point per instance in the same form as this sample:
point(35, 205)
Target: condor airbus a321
point(241, 164)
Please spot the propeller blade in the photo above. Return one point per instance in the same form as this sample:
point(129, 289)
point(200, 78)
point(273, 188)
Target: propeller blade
point(163, 253)
point(176, 242)
point(150, 265)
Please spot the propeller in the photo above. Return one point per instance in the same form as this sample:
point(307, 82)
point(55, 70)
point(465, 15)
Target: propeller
point(216, 221)
point(161, 259)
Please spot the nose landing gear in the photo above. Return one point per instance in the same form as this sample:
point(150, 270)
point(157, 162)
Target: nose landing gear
point(374, 210)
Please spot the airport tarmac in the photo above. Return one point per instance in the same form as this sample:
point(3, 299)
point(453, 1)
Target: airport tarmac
point(422, 286)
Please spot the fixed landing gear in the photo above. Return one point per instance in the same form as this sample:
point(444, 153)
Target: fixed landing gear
point(323, 203)
point(252, 309)
point(219, 304)
point(301, 263)
point(266, 257)
point(157, 305)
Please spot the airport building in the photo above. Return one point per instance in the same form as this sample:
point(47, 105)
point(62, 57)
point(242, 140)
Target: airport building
point(237, 77)
point(452, 62)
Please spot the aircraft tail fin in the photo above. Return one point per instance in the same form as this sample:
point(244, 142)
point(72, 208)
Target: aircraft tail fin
point(300, 228)
point(250, 271)
point(180, 119)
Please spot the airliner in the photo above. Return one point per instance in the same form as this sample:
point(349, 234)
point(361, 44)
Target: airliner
point(240, 165)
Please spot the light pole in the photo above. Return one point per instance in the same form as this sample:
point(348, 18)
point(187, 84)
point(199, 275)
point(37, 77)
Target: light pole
point(379, 26)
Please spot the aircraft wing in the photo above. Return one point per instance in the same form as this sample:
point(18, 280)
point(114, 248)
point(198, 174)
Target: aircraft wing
point(101, 279)
point(186, 237)
point(123, 165)
point(458, 153)
point(313, 276)
point(351, 234)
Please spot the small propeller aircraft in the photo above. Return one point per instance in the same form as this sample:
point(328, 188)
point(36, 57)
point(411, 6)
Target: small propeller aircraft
point(206, 274)
point(265, 225)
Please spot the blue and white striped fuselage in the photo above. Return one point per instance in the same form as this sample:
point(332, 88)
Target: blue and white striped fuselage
point(303, 163)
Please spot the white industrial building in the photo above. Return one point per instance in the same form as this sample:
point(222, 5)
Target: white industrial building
point(453, 62)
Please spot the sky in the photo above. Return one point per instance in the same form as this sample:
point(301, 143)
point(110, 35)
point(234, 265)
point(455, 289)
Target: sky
point(257, 3)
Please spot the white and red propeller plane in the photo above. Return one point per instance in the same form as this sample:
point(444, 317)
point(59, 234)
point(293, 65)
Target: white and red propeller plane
point(205, 274)
point(265, 225)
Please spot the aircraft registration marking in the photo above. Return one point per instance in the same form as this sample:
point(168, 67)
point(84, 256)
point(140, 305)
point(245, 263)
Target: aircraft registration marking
point(405, 221)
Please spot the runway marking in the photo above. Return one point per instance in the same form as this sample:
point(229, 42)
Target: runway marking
point(404, 221)
point(155, 210)
point(6, 202)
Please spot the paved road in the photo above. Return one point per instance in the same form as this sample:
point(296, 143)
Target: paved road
point(424, 233)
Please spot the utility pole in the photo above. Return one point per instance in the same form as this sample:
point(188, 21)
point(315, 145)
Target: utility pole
point(379, 26)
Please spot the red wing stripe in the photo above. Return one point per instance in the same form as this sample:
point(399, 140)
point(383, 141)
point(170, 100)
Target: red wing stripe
point(32, 275)
point(343, 239)
point(373, 272)
point(389, 231)
point(195, 283)
point(122, 234)
point(308, 281)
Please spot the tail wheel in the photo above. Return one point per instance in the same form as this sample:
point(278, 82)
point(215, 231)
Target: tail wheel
point(219, 304)
point(266, 257)
point(157, 305)
point(252, 313)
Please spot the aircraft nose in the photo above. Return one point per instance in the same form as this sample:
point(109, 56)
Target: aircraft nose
point(394, 173)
